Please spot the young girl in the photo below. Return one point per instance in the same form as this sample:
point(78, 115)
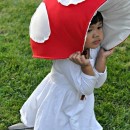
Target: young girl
point(64, 100)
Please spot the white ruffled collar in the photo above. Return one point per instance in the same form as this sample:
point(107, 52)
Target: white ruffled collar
point(68, 2)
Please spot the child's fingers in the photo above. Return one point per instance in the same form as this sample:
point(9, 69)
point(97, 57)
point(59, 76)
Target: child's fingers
point(112, 50)
point(75, 57)
point(109, 52)
point(105, 53)
point(79, 59)
point(83, 58)
point(84, 61)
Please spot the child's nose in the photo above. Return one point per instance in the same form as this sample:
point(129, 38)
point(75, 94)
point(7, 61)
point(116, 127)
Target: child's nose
point(96, 34)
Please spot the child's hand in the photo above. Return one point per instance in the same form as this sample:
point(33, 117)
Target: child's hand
point(101, 59)
point(104, 54)
point(79, 59)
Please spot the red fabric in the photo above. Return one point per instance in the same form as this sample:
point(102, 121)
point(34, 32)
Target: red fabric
point(68, 29)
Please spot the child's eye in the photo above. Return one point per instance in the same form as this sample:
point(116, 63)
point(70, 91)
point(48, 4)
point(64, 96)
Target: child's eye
point(100, 27)
point(90, 30)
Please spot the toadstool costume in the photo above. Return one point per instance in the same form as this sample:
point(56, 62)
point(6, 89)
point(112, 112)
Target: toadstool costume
point(58, 27)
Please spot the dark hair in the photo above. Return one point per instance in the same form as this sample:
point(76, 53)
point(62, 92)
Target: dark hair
point(97, 18)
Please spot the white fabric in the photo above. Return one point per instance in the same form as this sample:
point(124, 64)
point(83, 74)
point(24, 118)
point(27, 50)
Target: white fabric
point(68, 2)
point(39, 26)
point(55, 104)
point(116, 14)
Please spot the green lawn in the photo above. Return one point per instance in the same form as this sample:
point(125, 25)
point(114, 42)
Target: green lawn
point(20, 73)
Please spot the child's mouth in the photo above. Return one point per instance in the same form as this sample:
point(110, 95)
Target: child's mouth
point(97, 42)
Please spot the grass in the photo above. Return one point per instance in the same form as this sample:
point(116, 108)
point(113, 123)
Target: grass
point(20, 73)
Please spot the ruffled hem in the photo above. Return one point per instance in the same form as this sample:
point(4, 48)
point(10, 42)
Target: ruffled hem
point(68, 2)
point(39, 26)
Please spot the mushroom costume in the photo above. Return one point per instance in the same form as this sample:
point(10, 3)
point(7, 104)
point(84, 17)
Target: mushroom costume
point(58, 28)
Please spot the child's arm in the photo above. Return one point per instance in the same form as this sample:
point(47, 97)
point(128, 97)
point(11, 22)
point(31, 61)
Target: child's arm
point(72, 72)
point(84, 62)
point(100, 64)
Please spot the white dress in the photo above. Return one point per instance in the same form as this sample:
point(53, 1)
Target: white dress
point(55, 104)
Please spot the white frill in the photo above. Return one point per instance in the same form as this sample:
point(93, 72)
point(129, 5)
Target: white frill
point(39, 25)
point(116, 14)
point(68, 2)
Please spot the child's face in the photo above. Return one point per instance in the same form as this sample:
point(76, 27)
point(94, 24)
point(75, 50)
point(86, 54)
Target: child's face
point(94, 36)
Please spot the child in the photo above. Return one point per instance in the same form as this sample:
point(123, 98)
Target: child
point(64, 100)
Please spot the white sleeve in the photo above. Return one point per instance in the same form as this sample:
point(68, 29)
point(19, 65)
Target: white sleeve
point(81, 82)
point(101, 78)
